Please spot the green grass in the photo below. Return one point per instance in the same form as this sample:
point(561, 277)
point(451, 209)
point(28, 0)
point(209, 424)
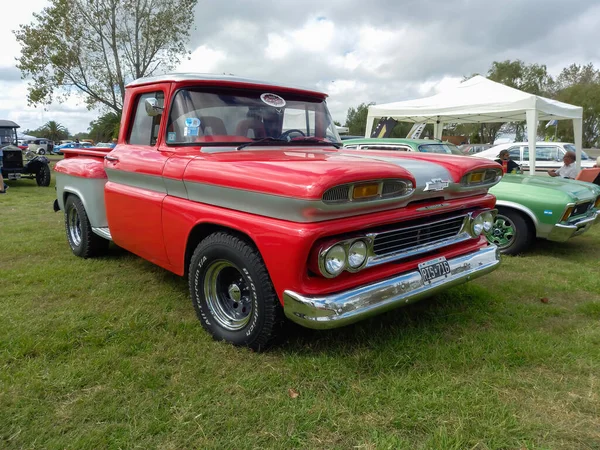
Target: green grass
point(108, 353)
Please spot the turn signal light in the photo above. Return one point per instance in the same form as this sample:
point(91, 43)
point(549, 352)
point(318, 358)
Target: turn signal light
point(475, 177)
point(567, 213)
point(597, 204)
point(365, 191)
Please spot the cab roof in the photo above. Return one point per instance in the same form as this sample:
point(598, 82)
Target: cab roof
point(8, 124)
point(217, 78)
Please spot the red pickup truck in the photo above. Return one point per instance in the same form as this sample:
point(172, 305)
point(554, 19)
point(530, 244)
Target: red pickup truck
point(241, 186)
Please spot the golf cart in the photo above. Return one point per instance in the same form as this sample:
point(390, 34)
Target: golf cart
point(13, 168)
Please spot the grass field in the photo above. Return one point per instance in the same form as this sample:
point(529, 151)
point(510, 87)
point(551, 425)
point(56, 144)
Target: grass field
point(108, 353)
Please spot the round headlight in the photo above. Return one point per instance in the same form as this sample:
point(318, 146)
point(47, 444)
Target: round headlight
point(335, 260)
point(357, 254)
point(477, 225)
point(488, 221)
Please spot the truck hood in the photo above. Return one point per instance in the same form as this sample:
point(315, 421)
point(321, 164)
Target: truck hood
point(308, 172)
point(289, 183)
point(545, 186)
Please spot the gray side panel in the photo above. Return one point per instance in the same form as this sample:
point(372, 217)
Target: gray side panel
point(89, 190)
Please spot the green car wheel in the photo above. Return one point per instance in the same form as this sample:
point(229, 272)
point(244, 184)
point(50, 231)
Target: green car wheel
point(511, 232)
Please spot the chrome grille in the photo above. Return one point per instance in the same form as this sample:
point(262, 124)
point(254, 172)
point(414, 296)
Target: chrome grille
point(409, 238)
point(582, 208)
point(337, 194)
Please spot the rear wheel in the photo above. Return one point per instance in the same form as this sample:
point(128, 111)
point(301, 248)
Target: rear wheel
point(42, 177)
point(512, 232)
point(82, 240)
point(41, 151)
point(232, 293)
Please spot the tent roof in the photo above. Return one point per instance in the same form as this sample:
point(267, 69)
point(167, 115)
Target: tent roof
point(476, 100)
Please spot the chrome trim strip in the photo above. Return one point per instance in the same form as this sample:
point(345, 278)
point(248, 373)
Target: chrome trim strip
point(343, 308)
point(102, 232)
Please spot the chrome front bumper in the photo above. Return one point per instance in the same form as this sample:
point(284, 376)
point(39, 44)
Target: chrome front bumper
point(562, 233)
point(343, 308)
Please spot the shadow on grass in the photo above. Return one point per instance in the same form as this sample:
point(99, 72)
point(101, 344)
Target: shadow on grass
point(451, 313)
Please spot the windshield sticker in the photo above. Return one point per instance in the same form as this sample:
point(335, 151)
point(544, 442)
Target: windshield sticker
point(273, 100)
point(171, 136)
point(192, 125)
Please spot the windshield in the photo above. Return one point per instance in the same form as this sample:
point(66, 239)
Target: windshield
point(448, 149)
point(572, 148)
point(8, 136)
point(237, 116)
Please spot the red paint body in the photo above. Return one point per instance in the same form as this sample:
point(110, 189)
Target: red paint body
point(157, 226)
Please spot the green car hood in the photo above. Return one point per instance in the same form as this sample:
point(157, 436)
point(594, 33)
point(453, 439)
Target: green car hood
point(539, 185)
point(545, 197)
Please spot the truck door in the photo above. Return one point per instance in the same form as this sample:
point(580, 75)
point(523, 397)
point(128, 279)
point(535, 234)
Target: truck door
point(135, 189)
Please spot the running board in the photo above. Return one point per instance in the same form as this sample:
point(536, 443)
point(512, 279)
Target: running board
point(103, 232)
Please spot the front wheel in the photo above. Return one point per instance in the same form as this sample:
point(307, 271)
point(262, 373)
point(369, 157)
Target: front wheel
point(511, 232)
point(82, 240)
point(42, 177)
point(41, 151)
point(232, 293)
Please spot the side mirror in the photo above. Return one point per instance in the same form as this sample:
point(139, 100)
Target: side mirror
point(152, 108)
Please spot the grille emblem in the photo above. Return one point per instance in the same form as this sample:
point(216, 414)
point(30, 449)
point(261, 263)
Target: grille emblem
point(436, 184)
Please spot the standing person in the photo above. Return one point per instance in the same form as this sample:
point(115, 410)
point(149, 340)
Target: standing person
point(4, 186)
point(508, 164)
point(569, 168)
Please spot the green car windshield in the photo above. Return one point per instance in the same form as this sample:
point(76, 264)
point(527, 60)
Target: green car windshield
point(448, 149)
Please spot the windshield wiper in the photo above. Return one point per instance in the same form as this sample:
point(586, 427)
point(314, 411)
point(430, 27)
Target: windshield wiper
point(312, 139)
point(261, 141)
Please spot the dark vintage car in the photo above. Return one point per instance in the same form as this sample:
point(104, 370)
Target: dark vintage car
point(13, 167)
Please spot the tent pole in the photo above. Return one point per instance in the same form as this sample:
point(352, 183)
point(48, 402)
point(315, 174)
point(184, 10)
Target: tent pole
point(532, 124)
point(578, 132)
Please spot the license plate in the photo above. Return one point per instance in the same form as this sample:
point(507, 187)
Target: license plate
point(14, 176)
point(433, 270)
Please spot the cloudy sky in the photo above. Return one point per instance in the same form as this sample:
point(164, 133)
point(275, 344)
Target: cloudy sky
point(357, 51)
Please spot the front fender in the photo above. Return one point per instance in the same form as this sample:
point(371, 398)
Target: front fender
point(34, 165)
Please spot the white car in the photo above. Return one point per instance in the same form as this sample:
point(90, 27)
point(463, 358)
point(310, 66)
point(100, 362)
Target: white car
point(548, 155)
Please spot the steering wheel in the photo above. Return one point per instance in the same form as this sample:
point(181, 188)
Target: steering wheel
point(286, 134)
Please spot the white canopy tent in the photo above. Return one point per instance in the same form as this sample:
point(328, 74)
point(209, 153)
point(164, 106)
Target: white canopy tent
point(479, 100)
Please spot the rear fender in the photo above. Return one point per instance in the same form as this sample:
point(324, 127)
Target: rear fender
point(85, 178)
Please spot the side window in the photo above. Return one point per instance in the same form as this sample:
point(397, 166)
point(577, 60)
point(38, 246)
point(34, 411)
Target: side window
point(144, 128)
point(351, 146)
point(546, 153)
point(515, 153)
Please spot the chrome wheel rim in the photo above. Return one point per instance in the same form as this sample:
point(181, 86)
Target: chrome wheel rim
point(74, 227)
point(227, 295)
point(503, 233)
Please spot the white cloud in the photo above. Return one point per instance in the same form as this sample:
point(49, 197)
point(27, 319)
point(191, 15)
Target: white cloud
point(356, 52)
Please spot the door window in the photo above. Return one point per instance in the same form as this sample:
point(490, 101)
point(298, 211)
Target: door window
point(515, 153)
point(144, 128)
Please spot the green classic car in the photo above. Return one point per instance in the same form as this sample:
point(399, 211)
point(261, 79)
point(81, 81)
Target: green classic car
point(529, 206)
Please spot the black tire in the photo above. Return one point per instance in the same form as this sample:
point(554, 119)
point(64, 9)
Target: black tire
point(512, 232)
point(42, 176)
point(232, 293)
point(41, 151)
point(82, 240)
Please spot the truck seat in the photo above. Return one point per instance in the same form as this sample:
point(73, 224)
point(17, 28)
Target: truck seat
point(257, 127)
point(212, 126)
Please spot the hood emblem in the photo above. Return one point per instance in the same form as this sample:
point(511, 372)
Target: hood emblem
point(436, 184)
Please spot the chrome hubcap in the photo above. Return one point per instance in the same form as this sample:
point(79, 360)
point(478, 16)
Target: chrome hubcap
point(227, 295)
point(74, 227)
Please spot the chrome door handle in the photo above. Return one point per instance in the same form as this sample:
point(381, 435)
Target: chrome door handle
point(111, 158)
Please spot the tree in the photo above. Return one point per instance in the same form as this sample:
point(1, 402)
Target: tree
point(580, 85)
point(356, 119)
point(97, 46)
point(53, 130)
point(105, 128)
